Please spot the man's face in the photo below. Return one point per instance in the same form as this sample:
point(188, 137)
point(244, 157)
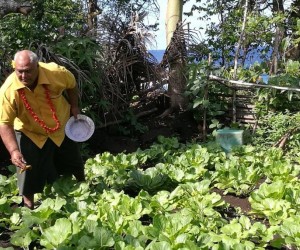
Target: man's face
point(26, 72)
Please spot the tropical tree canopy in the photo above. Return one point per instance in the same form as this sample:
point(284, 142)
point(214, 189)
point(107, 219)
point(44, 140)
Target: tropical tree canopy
point(270, 25)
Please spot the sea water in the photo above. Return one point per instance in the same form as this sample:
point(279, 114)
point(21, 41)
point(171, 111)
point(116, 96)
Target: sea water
point(255, 56)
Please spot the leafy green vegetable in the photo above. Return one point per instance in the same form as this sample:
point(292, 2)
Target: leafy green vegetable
point(163, 197)
point(57, 235)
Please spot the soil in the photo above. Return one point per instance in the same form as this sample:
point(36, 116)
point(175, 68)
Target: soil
point(179, 124)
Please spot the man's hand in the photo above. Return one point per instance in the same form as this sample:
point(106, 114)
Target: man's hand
point(9, 139)
point(18, 159)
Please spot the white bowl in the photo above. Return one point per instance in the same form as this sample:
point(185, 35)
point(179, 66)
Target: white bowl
point(80, 129)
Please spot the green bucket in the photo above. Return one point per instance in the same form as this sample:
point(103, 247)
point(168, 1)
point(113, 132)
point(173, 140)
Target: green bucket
point(227, 138)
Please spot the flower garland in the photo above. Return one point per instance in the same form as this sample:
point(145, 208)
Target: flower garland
point(35, 116)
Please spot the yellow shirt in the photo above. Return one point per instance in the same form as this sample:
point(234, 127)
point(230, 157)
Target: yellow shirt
point(13, 111)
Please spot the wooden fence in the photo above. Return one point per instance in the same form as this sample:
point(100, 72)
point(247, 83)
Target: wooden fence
point(241, 108)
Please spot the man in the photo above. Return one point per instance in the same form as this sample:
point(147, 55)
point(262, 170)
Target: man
point(33, 115)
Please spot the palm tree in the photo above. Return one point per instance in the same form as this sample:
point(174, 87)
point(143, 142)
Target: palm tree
point(175, 56)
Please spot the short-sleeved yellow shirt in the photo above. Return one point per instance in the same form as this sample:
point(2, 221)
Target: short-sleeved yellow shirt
point(13, 111)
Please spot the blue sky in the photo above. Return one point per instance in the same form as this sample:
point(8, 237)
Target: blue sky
point(160, 34)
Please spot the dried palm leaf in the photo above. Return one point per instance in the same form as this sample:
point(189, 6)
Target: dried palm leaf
point(45, 54)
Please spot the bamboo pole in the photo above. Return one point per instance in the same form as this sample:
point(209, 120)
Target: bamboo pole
point(204, 131)
point(249, 84)
point(234, 106)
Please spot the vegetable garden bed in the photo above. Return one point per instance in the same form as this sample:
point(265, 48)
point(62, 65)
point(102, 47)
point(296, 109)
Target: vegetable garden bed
point(186, 198)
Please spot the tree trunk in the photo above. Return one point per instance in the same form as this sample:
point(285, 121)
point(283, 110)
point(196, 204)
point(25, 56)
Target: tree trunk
point(93, 11)
point(6, 7)
point(241, 40)
point(237, 55)
point(174, 15)
point(279, 34)
point(293, 51)
point(176, 56)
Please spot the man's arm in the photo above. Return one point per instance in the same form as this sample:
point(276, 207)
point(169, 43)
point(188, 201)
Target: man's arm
point(10, 141)
point(73, 100)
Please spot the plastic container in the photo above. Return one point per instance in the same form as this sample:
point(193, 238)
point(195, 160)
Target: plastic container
point(227, 138)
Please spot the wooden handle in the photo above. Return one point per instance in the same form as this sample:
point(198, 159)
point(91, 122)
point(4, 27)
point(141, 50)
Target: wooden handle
point(24, 169)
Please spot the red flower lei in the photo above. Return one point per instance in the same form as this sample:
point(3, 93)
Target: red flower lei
point(35, 116)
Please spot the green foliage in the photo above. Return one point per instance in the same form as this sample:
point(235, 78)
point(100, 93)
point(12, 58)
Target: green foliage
point(87, 54)
point(269, 201)
point(238, 176)
point(275, 125)
point(150, 180)
point(280, 100)
point(133, 124)
point(162, 209)
point(42, 26)
point(203, 94)
point(219, 45)
point(72, 48)
point(224, 22)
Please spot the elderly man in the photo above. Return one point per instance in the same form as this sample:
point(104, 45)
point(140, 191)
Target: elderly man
point(33, 115)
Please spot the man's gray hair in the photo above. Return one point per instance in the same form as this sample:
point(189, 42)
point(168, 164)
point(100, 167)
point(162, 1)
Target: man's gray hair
point(32, 56)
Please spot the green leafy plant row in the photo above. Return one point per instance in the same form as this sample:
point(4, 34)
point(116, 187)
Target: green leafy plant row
point(163, 197)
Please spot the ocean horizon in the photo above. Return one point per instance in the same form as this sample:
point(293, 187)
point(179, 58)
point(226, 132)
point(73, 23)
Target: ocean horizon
point(252, 58)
